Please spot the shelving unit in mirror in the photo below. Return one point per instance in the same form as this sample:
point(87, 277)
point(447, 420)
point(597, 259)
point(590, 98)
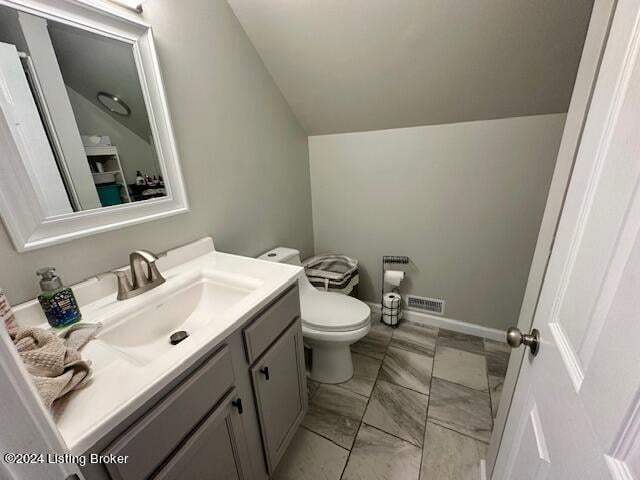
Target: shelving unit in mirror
point(104, 162)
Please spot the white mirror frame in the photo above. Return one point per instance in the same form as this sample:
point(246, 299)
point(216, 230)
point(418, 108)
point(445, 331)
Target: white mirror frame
point(23, 213)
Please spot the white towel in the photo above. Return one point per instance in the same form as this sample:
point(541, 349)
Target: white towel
point(54, 362)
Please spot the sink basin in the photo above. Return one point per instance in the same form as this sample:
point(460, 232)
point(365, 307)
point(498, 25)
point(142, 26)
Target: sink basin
point(186, 304)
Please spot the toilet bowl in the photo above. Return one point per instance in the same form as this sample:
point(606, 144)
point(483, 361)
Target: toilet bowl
point(331, 323)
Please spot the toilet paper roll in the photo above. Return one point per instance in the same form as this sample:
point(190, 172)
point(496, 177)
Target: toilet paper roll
point(391, 300)
point(392, 319)
point(391, 311)
point(393, 277)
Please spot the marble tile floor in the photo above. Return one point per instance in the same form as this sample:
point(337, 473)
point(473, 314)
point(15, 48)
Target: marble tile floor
point(420, 406)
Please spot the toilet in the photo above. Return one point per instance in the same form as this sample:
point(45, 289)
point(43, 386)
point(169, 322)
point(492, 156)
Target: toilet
point(331, 323)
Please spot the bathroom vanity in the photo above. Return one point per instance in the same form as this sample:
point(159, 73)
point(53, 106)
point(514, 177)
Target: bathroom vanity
point(223, 403)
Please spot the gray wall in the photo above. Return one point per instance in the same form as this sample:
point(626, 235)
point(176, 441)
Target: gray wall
point(463, 200)
point(244, 155)
point(10, 31)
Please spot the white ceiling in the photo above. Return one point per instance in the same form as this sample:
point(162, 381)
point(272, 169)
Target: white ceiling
point(357, 65)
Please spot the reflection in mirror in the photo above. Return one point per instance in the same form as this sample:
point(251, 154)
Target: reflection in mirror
point(83, 91)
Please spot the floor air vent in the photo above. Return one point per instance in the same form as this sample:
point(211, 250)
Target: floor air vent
point(425, 304)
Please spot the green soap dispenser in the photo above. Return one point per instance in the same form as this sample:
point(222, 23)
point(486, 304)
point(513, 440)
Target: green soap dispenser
point(57, 301)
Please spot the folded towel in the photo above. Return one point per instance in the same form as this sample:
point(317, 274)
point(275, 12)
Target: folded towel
point(6, 314)
point(54, 361)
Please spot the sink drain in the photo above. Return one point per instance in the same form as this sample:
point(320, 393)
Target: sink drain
point(177, 337)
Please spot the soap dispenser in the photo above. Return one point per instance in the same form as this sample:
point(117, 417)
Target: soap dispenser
point(57, 301)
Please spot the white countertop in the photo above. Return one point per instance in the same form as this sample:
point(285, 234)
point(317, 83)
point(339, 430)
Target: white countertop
point(120, 386)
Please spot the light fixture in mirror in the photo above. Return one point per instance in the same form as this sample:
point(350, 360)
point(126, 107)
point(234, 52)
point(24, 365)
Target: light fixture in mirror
point(114, 104)
point(80, 159)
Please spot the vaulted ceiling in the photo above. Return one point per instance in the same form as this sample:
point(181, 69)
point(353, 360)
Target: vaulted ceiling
point(92, 63)
point(357, 65)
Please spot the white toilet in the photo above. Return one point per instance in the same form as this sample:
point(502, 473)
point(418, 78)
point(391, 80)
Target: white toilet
point(331, 322)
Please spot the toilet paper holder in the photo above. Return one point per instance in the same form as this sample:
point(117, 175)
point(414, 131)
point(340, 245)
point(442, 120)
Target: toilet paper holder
point(390, 260)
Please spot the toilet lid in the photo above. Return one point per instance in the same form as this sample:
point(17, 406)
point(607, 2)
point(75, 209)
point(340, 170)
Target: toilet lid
point(333, 312)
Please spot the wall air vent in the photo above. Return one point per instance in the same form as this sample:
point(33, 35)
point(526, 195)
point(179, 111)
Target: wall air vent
point(425, 304)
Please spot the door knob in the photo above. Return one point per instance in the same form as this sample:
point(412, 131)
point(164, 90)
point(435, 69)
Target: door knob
point(515, 338)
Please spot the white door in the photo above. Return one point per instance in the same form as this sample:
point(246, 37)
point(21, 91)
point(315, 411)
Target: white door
point(19, 109)
point(576, 409)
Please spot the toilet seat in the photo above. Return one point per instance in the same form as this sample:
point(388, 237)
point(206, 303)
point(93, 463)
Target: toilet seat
point(333, 312)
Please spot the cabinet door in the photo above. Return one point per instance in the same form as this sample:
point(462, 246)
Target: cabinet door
point(152, 439)
point(216, 450)
point(280, 385)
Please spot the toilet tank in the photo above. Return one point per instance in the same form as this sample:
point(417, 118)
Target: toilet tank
point(282, 255)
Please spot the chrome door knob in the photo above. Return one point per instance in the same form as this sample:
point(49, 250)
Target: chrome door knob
point(515, 338)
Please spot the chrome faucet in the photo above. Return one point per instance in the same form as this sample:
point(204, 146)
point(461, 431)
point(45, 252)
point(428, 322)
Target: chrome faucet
point(143, 278)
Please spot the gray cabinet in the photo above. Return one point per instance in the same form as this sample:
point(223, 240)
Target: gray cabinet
point(280, 388)
point(154, 438)
point(216, 450)
point(270, 323)
point(195, 429)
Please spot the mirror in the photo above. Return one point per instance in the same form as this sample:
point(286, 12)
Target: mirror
point(83, 105)
point(109, 158)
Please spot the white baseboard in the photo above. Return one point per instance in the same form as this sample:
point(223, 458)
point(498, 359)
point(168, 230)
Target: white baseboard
point(447, 323)
point(483, 470)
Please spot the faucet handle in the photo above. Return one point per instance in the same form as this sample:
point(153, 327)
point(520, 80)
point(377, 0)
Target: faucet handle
point(116, 273)
point(124, 285)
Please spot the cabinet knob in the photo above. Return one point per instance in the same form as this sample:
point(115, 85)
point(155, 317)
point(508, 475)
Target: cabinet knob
point(238, 404)
point(265, 372)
